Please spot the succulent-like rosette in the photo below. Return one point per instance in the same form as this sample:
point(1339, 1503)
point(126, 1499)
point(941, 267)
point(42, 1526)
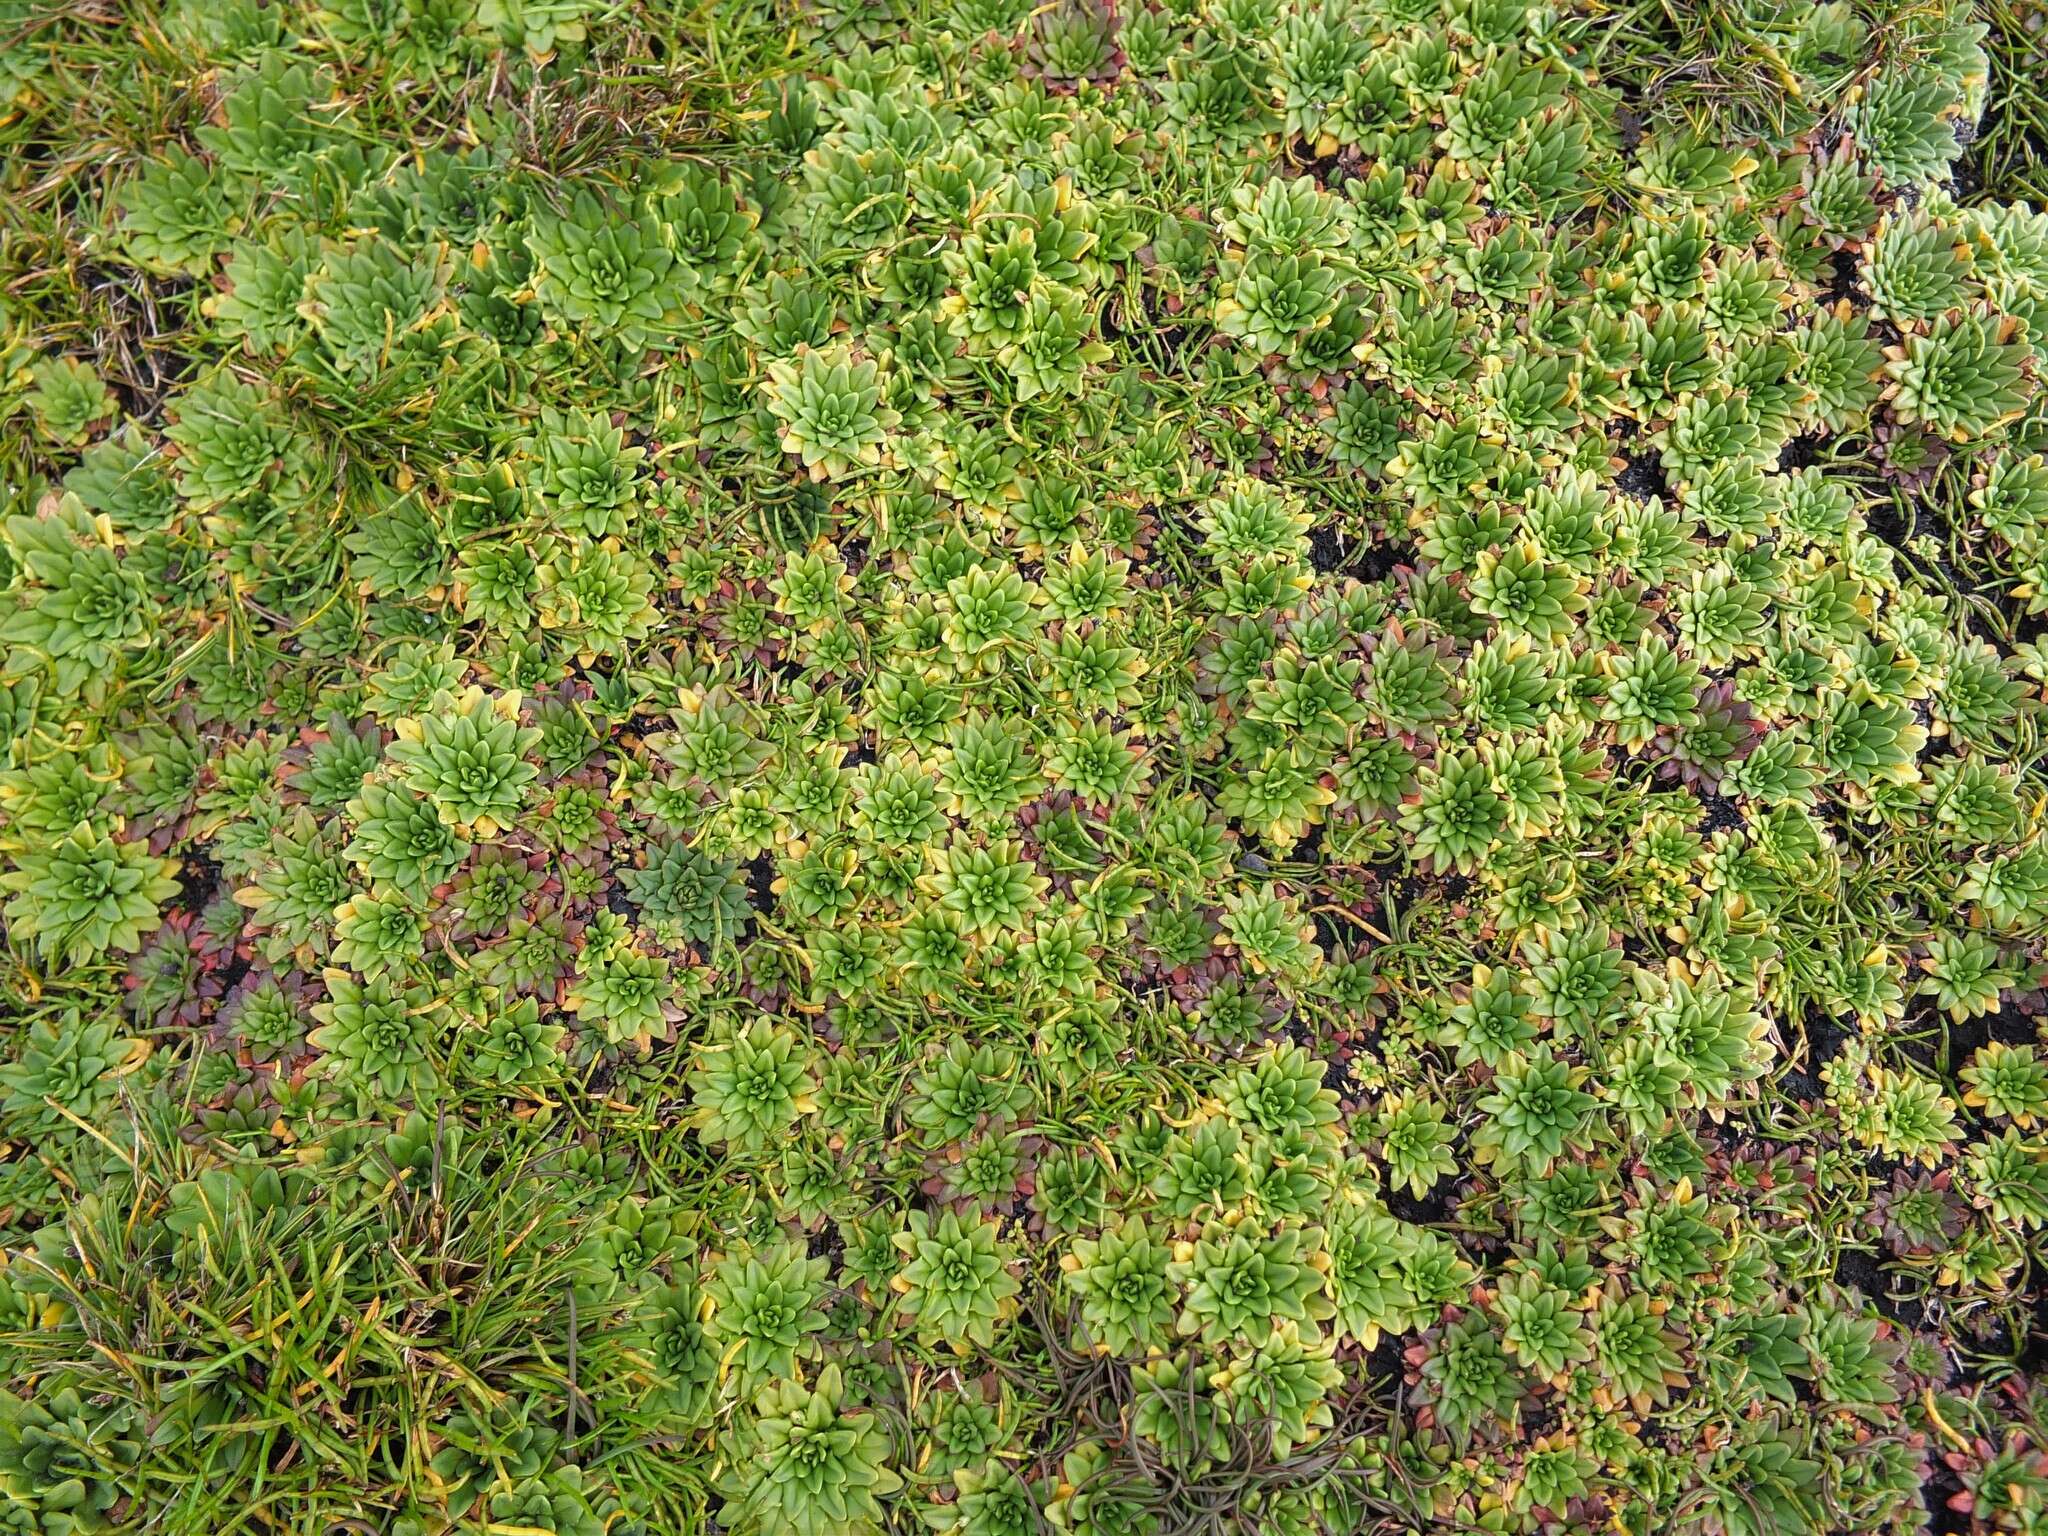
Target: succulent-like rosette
point(956, 1278)
point(1967, 374)
point(80, 609)
point(603, 267)
point(831, 409)
point(86, 894)
point(469, 759)
point(816, 1466)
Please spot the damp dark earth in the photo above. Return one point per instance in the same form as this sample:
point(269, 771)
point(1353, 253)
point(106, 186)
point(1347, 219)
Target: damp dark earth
point(851, 767)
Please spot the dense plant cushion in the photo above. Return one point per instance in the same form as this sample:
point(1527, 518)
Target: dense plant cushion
point(1130, 769)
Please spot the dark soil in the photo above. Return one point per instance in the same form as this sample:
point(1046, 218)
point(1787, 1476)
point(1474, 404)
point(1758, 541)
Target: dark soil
point(1644, 478)
point(198, 881)
point(1842, 283)
point(1718, 813)
point(760, 873)
point(1798, 453)
point(1434, 1209)
point(1824, 1040)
